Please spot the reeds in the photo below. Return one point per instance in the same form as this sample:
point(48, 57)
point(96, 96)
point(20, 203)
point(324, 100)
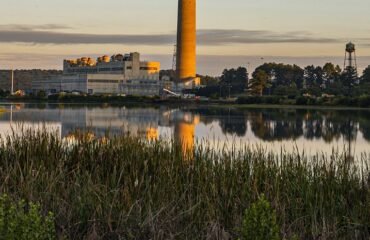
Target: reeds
point(128, 188)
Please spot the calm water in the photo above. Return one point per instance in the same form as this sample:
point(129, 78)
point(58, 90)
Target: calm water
point(309, 130)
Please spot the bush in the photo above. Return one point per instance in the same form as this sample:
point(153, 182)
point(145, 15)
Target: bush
point(260, 222)
point(289, 91)
point(301, 100)
point(364, 101)
point(259, 100)
point(346, 101)
point(314, 91)
point(41, 94)
point(271, 100)
point(250, 100)
point(312, 101)
point(21, 221)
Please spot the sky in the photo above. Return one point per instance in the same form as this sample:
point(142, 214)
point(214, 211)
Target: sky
point(41, 33)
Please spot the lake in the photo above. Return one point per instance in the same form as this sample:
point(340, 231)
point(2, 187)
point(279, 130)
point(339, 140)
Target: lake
point(276, 129)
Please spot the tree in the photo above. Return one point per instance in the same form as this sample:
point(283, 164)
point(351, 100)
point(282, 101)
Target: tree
point(366, 75)
point(313, 77)
point(236, 80)
point(331, 73)
point(260, 81)
point(282, 74)
point(349, 79)
point(41, 94)
point(208, 80)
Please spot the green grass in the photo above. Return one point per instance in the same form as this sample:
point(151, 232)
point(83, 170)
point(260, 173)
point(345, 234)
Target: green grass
point(127, 188)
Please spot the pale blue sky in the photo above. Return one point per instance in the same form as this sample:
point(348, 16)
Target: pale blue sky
point(294, 28)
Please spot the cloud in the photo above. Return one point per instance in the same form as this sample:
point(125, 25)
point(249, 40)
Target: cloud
point(32, 27)
point(48, 37)
point(42, 34)
point(222, 37)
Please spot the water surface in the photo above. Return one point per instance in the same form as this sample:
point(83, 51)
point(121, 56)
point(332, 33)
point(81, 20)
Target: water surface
point(309, 130)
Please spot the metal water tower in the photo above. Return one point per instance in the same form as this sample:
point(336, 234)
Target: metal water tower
point(350, 77)
point(350, 61)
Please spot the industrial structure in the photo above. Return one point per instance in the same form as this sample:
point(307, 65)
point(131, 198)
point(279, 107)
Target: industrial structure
point(350, 63)
point(126, 74)
point(186, 45)
point(118, 74)
point(350, 60)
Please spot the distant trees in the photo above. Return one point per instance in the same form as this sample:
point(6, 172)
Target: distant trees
point(319, 79)
point(366, 75)
point(313, 77)
point(208, 80)
point(287, 81)
point(280, 75)
point(291, 80)
point(235, 80)
point(4, 93)
point(23, 78)
point(349, 79)
point(260, 81)
point(331, 73)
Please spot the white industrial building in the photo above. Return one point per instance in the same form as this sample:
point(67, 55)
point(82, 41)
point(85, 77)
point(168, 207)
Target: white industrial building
point(119, 74)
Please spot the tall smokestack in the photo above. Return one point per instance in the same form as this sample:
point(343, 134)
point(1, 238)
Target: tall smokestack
point(186, 41)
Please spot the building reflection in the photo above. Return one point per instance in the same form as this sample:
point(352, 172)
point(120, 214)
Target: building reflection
point(184, 133)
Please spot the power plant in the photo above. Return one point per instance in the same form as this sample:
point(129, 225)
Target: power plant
point(119, 74)
point(186, 44)
point(126, 74)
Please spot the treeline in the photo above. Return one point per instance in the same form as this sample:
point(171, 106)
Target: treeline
point(23, 78)
point(291, 81)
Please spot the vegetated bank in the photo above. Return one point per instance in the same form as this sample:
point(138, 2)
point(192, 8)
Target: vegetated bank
point(362, 101)
point(121, 187)
point(339, 101)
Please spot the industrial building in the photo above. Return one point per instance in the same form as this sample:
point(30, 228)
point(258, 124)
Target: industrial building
point(118, 74)
point(126, 74)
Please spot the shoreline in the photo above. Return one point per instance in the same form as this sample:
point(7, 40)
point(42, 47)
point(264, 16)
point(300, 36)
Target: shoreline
point(180, 103)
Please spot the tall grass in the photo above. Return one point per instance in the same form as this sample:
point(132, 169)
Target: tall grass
point(127, 188)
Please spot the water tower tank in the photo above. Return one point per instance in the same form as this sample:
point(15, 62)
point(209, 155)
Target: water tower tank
point(350, 47)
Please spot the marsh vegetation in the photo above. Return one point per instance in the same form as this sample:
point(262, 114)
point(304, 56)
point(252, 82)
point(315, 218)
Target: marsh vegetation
point(122, 187)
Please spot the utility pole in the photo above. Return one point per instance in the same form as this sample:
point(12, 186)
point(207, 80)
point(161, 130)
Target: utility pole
point(12, 79)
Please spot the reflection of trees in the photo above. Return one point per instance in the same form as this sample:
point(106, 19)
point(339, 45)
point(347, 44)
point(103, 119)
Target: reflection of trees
point(349, 130)
point(234, 125)
point(272, 125)
point(364, 120)
point(290, 124)
point(232, 121)
point(313, 128)
point(275, 124)
point(365, 129)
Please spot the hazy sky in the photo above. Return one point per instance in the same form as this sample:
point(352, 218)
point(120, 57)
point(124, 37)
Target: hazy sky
point(40, 33)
